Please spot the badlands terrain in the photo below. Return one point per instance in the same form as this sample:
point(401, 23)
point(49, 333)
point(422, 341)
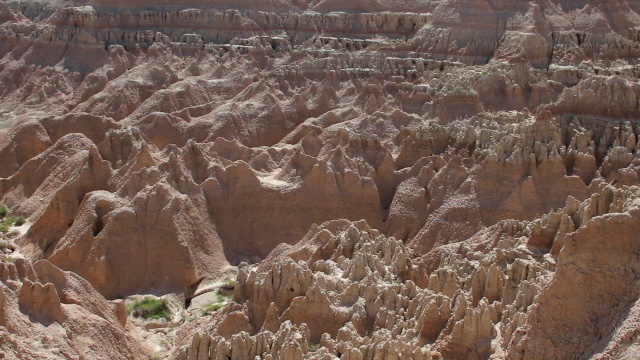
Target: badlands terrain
point(292, 179)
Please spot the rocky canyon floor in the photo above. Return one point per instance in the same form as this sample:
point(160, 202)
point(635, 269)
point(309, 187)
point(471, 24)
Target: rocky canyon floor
point(320, 179)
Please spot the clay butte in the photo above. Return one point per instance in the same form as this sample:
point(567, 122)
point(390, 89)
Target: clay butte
point(446, 179)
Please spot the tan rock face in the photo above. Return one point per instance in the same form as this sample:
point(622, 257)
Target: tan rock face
point(603, 243)
point(354, 291)
point(394, 179)
point(50, 313)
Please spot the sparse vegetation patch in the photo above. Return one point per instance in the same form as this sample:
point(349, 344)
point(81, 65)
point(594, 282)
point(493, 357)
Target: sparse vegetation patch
point(9, 221)
point(213, 307)
point(149, 308)
point(230, 284)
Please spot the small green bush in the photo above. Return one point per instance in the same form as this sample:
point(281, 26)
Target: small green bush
point(314, 347)
point(3, 211)
point(150, 308)
point(213, 307)
point(207, 310)
point(229, 284)
point(8, 222)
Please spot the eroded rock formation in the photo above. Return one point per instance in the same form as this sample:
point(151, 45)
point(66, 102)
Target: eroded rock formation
point(394, 179)
point(361, 295)
point(55, 314)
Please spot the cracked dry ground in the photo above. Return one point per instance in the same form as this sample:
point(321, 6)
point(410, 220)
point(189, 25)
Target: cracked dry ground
point(368, 179)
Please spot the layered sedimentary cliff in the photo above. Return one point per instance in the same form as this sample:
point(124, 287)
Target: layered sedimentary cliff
point(389, 179)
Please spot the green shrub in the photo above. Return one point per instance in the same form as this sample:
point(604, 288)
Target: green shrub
point(314, 347)
point(8, 222)
point(3, 211)
point(150, 308)
point(229, 284)
point(207, 310)
point(213, 307)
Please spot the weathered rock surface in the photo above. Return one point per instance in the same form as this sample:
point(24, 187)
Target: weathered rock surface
point(409, 179)
point(358, 294)
point(47, 313)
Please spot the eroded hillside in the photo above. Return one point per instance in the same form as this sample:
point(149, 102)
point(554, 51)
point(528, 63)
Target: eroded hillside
point(383, 179)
